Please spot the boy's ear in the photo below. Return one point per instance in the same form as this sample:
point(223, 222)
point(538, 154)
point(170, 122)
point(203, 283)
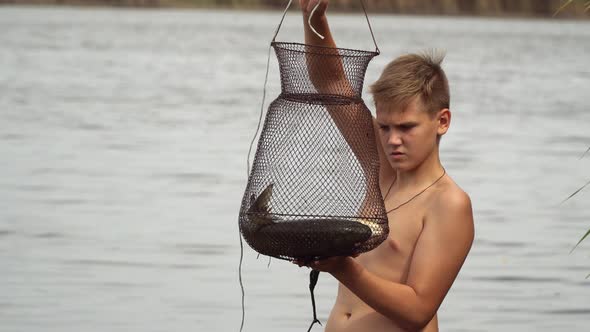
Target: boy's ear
point(444, 121)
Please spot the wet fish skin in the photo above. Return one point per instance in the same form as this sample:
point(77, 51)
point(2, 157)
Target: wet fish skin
point(305, 238)
point(312, 238)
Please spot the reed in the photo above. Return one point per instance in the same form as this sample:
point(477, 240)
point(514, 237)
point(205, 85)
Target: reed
point(570, 2)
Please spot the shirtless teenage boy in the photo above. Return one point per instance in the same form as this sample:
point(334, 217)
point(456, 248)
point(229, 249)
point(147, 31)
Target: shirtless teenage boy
point(400, 285)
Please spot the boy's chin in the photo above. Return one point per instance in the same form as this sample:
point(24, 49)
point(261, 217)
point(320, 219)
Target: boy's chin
point(397, 165)
point(402, 166)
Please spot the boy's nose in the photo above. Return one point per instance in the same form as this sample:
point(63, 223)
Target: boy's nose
point(395, 139)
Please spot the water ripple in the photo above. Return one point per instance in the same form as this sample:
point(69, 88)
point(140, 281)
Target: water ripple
point(574, 311)
point(37, 188)
point(12, 137)
point(64, 201)
point(49, 235)
point(114, 263)
point(91, 126)
point(500, 244)
point(6, 232)
point(198, 177)
point(519, 279)
point(203, 249)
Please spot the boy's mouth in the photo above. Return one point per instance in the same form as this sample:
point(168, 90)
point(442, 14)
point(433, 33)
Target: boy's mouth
point(397, 155)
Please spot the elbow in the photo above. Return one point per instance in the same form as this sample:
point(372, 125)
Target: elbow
point(415, 325)
point(417, 321)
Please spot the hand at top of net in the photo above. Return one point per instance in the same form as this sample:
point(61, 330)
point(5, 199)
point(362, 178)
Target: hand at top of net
point(308, 5)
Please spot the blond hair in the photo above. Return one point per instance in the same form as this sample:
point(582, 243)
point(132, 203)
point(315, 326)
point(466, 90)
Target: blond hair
point(413, 75)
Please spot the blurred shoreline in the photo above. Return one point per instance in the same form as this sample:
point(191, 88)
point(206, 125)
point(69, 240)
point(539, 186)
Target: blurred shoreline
point(492, 8)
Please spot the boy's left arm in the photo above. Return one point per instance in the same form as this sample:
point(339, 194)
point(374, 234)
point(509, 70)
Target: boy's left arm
point(439, 253)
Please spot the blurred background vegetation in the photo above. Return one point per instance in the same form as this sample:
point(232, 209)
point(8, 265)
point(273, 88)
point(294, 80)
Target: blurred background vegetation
point(526, 8)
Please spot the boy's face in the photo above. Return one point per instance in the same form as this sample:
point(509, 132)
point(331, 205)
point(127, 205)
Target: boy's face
point(409, 136)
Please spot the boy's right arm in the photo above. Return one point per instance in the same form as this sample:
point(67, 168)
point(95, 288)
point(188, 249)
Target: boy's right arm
point(328, 77)
point(326, 73)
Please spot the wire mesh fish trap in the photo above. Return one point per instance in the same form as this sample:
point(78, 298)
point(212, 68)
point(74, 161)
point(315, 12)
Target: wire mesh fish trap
point(313, 190)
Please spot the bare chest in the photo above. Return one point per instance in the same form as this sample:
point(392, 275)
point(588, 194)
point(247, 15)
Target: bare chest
point(391, 259)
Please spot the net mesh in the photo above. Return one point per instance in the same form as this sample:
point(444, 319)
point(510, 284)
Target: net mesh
point(313, 190)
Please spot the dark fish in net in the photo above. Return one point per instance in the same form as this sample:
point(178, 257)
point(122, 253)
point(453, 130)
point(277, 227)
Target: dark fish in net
point(324, 237)
point(313, 191)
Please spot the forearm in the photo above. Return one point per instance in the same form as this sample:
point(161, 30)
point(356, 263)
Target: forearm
point(326, 72)
point(398, 302)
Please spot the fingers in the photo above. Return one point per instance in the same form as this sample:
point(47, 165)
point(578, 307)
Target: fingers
point(323, 4)
point(317, 263)
point(300, 263)
point(314, 264)
point(323, 265)
point(308, 5)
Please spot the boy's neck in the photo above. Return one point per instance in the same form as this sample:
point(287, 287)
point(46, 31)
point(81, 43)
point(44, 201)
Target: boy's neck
point(424, 174)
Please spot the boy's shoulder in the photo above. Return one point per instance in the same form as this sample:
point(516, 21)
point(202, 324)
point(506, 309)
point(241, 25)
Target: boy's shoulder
point(449, 192)
point(450, 201)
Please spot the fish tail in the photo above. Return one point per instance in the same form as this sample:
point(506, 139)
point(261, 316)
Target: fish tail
point(260, 204)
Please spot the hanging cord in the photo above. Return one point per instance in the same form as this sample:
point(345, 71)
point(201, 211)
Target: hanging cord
point(241, 282)
point(260, 116)
point(370, 29)
point(412, 198)
point(313, 276)
point(322, 37)
point(248, 163)
point(264, 88)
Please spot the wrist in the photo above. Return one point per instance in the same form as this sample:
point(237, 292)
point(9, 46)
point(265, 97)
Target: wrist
point(316, 18)
point(349, 270)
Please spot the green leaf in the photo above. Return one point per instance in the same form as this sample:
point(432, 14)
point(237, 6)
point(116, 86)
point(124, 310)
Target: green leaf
point(582, 239)
point(575, 192)
point(567, 3)
point(588, 148)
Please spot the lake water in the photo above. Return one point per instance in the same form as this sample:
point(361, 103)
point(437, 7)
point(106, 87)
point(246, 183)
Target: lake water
point(123, 142)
